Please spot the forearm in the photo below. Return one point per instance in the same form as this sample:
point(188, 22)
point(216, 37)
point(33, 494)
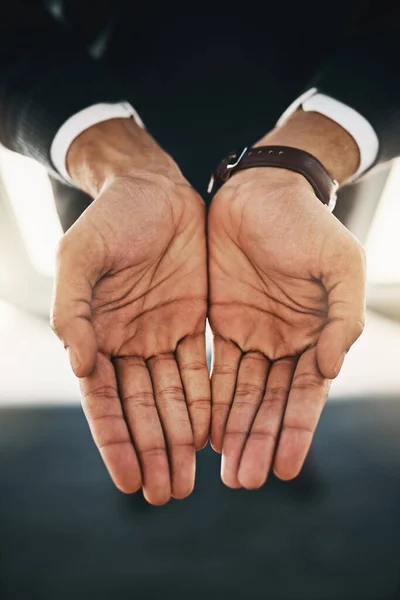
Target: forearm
point(120, 147)
point(326, 140)
point(116, 148)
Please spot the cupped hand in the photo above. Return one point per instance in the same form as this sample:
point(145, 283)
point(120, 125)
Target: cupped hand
point(130, 306)
point(287, 301)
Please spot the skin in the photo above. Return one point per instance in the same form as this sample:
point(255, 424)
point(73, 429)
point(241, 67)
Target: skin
point(286, 301)
point(130, 305)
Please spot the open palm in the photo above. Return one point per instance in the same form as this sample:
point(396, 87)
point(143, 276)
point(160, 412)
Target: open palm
point(130, 304)
point(286, 303)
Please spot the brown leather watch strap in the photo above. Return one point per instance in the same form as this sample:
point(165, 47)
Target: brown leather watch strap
point(282, 157)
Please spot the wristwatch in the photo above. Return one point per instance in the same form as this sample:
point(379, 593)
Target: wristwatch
point(283, 157)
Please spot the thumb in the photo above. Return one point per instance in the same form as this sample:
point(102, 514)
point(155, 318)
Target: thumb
point(71, 307)
point(346, 313)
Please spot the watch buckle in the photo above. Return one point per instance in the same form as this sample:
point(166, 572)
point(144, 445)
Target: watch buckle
point(232, 165)
point(333, 198)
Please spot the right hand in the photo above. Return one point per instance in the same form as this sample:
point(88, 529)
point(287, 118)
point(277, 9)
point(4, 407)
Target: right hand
point(287, 301)
point(130, 305)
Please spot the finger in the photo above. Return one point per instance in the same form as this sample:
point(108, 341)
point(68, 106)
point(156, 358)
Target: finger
point(173, 411)
point(192, 361)
point(226, 362)
point(307, 397)
point(250, 386)
point(103, 411)
point(259, 449)
point(346, 314)
point(136, 392)
point(71, 311)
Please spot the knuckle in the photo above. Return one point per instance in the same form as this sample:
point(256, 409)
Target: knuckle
point(160, 359)
point(172, 394)
point(224, 370)
point(200, 403)
point(243, 405)
point(103, 392)
point(358, 325)
point(276, 395)
point(254, 357)
point(297, 426)
point(63, 247)
point(104, 440)
point(57, 323)
point(194, 366)
point(307, 381)
point(140, 400)
point(263, 434)
point(249, 389)
point(235, 433)
point(220, 409)
point(153, 452)
point(107, 418)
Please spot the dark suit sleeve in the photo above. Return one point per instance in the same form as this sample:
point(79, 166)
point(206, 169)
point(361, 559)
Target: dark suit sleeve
point(46, 75)
point(365, 74)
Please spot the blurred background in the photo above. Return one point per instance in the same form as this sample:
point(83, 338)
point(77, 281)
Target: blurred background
point(334, 533)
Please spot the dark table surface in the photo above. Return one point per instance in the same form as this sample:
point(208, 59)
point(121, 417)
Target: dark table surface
point(333, 534)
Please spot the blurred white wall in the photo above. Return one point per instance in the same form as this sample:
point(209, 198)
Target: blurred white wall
point(383, 243)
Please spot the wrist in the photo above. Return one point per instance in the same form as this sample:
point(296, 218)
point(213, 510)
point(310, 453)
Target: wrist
point(113, 149)
point(327, 141)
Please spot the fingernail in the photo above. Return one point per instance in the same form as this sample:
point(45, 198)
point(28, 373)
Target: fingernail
point(73, 359)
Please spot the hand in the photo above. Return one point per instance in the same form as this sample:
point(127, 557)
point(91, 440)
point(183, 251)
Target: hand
point(130, 305)
point(287, 299)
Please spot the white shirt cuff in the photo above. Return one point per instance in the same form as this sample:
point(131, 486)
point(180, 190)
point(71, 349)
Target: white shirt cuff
point(355, 124)
point(81, 121)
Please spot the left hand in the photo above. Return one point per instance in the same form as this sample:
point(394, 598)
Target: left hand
point(287, 299)
point(130, 305)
